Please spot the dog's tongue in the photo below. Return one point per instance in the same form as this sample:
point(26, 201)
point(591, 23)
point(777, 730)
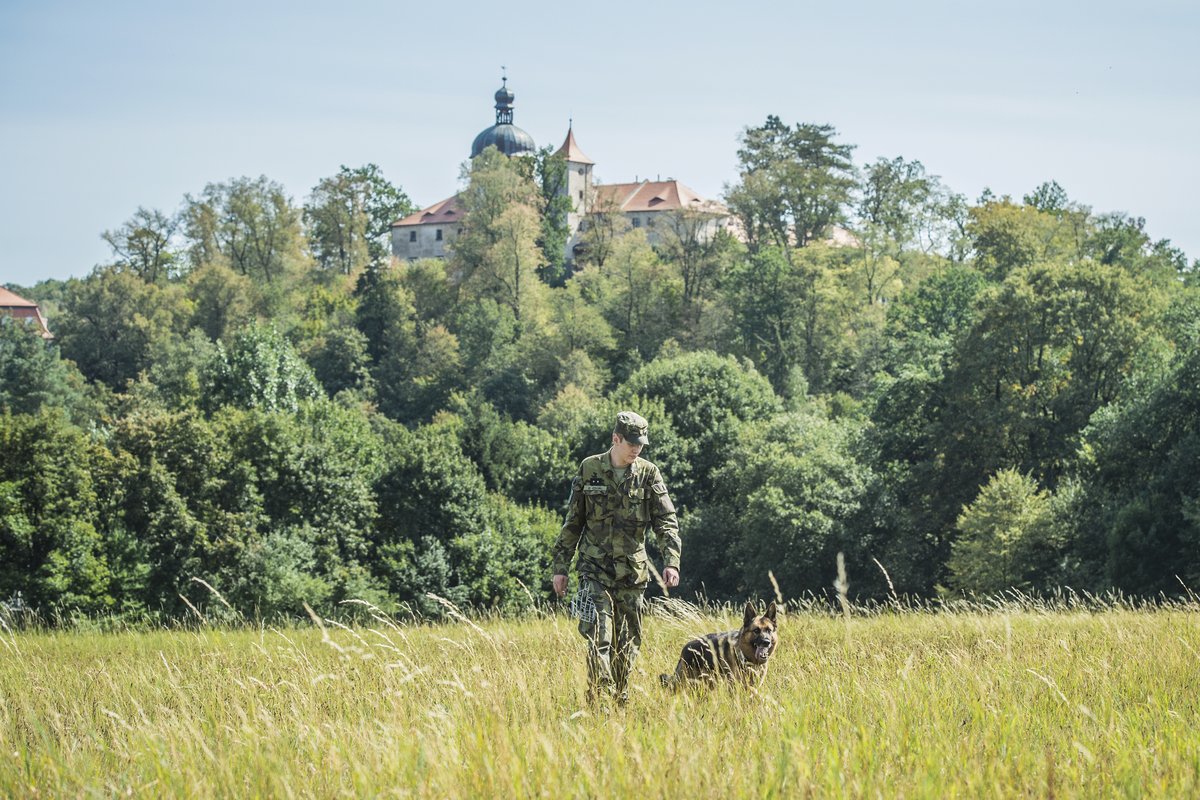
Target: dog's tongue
point(761, 652)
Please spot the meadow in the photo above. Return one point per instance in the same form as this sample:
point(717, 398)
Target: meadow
point(1005, 700)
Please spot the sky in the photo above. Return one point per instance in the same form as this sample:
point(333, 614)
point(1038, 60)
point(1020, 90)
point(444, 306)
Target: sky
point(107, 107)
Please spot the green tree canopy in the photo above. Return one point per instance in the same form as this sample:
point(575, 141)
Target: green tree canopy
point(794, 182)
point(349, 215)
point(50, 549)
point(259, 369)
point(1006, 537)
point(145, 245)
point(248, 224)
point(112, 320)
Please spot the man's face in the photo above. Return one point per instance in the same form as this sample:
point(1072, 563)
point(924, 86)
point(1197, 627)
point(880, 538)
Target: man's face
point(624, 452)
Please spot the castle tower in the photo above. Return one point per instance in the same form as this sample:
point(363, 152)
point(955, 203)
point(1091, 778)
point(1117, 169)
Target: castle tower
point(579, 186)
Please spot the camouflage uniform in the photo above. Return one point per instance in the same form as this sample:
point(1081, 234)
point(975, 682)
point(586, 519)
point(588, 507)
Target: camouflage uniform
point(607, 522)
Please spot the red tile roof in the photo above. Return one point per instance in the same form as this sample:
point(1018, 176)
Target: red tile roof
point(571, 150)
point(446, 212)
point(18, 307)
point(10, 300)
point(653, 196)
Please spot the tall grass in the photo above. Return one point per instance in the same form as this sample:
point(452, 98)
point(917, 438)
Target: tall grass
point(996, 699)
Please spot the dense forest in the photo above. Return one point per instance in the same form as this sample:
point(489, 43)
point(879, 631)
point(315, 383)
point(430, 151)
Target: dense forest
point(960, 396)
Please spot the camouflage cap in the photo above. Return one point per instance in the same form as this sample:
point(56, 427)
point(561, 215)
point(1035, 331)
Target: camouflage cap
point(632, 427)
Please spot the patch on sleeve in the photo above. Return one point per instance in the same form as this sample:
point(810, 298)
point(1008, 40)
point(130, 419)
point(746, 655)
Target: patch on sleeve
point(661, 497)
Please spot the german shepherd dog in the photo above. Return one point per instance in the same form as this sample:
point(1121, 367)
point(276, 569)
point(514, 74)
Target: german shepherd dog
point(738, 656)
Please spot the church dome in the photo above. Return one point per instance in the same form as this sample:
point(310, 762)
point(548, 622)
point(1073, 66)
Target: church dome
point(508, 138)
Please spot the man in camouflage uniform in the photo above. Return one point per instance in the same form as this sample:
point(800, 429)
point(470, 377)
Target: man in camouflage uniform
point(615, 497)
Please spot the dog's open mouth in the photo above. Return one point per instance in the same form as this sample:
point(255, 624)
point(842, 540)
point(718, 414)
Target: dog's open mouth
point(762, 652)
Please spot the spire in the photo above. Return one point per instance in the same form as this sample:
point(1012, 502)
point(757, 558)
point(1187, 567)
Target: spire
point(504, 100)
point(570, 150)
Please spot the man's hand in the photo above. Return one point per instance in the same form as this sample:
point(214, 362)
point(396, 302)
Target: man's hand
point(670, 577)
point(560, 584)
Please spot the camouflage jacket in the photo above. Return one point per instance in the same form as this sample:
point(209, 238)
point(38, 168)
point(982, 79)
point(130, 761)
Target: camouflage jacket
point(607, 523)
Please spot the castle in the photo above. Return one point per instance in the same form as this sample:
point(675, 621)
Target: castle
point(428, 233)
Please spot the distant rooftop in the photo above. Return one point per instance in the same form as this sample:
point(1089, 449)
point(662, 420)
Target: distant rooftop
point(445, 212)
point(668, 195)
point(17, 307)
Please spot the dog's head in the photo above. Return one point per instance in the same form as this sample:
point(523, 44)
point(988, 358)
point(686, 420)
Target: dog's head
point(759, 634)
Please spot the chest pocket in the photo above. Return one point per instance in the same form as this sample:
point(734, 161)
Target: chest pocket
point(636, 504)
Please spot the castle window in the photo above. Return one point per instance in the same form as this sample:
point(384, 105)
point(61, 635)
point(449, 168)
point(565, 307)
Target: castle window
point(649, 221)
point(581, 194)
point(438, 234)
point(637, 222)
point(412, 236)
point(581, 170)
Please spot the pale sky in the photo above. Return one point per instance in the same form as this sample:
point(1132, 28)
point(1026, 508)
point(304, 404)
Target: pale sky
point(107, 106)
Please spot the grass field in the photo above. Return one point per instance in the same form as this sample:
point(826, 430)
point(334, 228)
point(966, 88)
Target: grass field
point(1007, 703)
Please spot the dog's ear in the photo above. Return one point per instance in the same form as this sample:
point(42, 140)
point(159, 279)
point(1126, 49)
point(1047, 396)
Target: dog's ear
point(751, 613)
point(771, 613)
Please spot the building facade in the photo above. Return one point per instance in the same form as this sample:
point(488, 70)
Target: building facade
point(647, 205)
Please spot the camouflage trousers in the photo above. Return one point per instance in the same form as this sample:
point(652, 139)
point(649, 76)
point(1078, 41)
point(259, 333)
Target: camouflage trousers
point(614, 637)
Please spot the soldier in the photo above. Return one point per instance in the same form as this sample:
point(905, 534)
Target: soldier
point(615, 497)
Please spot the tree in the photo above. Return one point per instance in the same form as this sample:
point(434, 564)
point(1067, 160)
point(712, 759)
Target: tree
point(416, 384)
point(794, 182)
point(639, 296)
point(1041, 353)
point(415, 364)
point(143, 245)
point(1050, 345)
point(340, 362)
point(494, 184)
point(248, 224)
point(384, 313)
point(430, 496)
point(432, 292)
point(779, 504)
point(600, 230)
point(896, 197)
point(509, 270)
point(259, 369)
point(111, 321)
point(1122, 240)
point(1136, 522)
point(1049, 197)
point(1007, 236)
point(33, 375)
point(349, 217)
point(1006, 537)
point(694, 244)
point(549, 174)
point(315, 470)
point(50, 548)
point(792, 316)
point(177, 492)
point(223, 299)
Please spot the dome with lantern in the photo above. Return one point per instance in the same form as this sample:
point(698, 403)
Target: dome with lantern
point(507, 138)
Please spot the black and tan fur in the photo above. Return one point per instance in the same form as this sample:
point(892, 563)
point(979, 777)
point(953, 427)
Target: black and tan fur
point(738, 656)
